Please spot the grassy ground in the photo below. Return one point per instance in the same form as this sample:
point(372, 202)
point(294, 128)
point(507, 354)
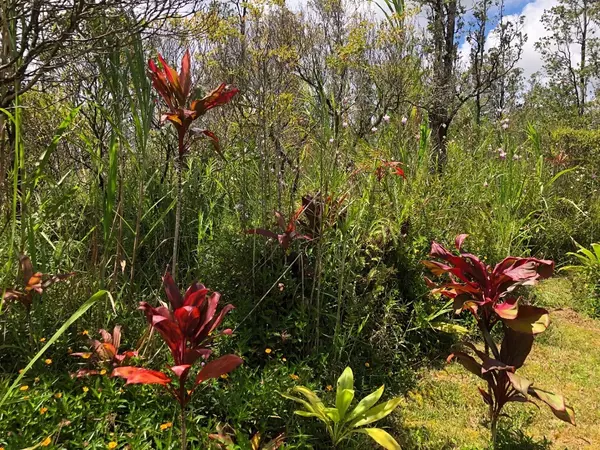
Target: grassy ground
point(445, 411)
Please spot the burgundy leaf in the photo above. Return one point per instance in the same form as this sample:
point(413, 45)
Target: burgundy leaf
point(172, 291)
point(218, 367)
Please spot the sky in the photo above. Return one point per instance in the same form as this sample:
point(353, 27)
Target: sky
point(531, 61)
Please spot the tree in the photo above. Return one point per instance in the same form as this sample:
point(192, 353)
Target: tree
point(569, 49)
point(449, 87)
point(40, 37)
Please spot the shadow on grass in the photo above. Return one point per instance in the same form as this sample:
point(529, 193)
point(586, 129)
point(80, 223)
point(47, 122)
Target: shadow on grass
point(515, 439)
point(510, 438)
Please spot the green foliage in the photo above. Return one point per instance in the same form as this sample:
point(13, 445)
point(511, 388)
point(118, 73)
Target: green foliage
point(342, 422)
point(589, 269)
point(580, 146)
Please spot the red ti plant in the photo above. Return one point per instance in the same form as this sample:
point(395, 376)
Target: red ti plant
point(322, 212)
point(31, 282)
point(175, 89)
point(488, 293)
point(187, 329)
point(384, 167)
point(227, 438)
point(289, 229)
point(105, 353)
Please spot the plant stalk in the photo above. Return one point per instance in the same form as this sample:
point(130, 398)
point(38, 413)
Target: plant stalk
point(178, 168)
point(494, 428)
point(183, 429)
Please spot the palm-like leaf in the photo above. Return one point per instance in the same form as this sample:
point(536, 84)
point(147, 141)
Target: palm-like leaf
point(339, 422)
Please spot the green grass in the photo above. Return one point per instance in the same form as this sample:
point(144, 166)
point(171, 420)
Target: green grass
point(445, 411)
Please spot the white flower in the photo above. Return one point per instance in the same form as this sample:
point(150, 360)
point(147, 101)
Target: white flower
point(516, 157)
point(485, 184)
point(345, 124)
point(386, 118)
point(502, 155)
point(444, 125)
point(505, 126)
point(374, 129)
point(331, 140)
point(404, 120)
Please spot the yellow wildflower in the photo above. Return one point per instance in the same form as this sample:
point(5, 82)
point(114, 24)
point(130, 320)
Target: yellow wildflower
point(112, 445)
point(85, 389)
point(43, 340)
point(20, 371)
point(86, 355)
point(284, 359)
point(36, 380)
point(268, 351)
point(329, 387)
point(46, 442)
point(58, 395)
point(294, 377)
point(43, 410)
point(367, 364)
point(224, 376)
point(103, 372)
point(24, 387)
point(48, 361)
point(85, 333)
point(166, 426)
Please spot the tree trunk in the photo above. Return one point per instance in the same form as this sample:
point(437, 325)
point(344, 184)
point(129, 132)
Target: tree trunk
point(582, 63)
point(439, 126)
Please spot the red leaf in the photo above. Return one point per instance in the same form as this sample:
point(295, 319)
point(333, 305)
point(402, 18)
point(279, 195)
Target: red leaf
point(170, 332)
point(458, 242)
point(193, 290)
point(173, 78)
point(215, 142)
point(218, 367)
point(185, 76)
point(508, 309)
point(182, 372)
point(196, 298)
point(138, 375)
point(263, 232)
point(188, 318)
point(219, 96)
point(486, 397)
point(172, 291)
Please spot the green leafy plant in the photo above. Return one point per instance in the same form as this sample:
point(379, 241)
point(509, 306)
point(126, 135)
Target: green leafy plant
point(589, 268)
point(341, 423)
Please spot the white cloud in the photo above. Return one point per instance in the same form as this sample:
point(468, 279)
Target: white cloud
point(531, 60)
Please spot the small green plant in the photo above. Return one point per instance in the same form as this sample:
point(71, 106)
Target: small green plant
point(589, 268)
point(341, 423)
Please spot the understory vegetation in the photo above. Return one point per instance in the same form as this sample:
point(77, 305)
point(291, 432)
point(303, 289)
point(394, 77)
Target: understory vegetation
point(245, 226)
